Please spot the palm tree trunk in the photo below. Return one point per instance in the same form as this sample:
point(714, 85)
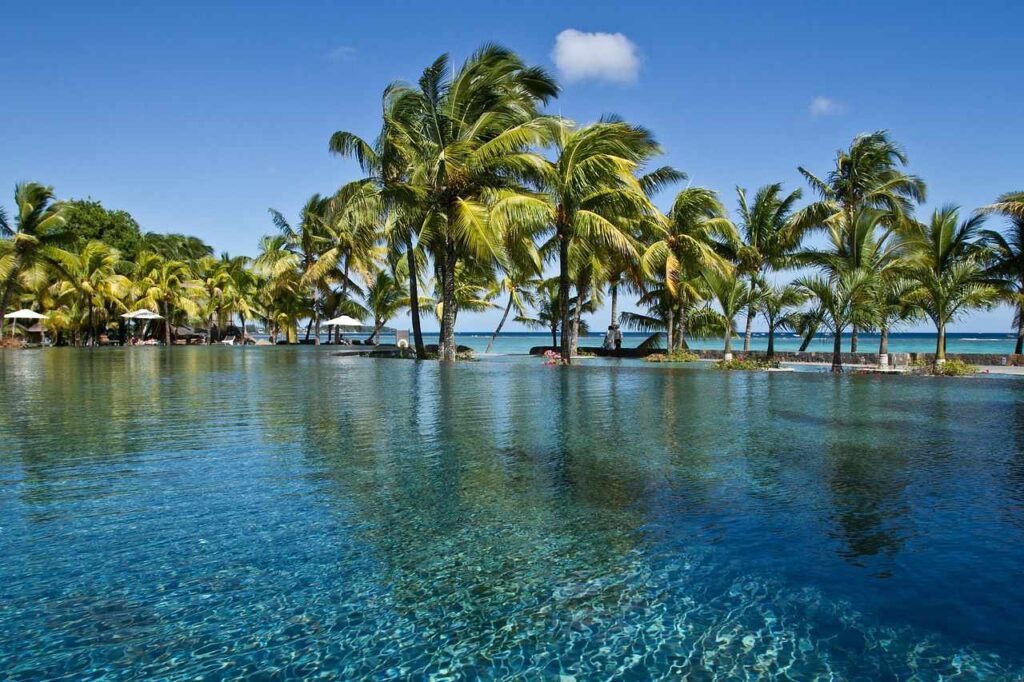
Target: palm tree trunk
point(615, 303)
point(414, 300)
point(563, 292)
point(448, 349)
point(808, 337)
point(883, 348)
point(853, 339)
point(581, 295)
point(727, 353)
point(837, 352)
point(501, 324)
point(771, 343)
point(554, 336)
point(167, 324)
point(940, 344)
point(670, 328)
point(92, 327)
point(749, 331)
point(681, 331)
point(1019, 347)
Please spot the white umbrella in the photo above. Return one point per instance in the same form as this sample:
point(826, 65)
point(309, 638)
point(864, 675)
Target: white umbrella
point(343, 321)
point(23, 314)
point(141, 314)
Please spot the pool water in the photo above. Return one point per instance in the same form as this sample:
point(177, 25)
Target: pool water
point(286, 513)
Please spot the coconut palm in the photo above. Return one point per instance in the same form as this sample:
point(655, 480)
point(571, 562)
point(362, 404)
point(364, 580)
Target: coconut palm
point(696, 238)
point(517, 285)
point(307, 240)
point(769, 237)
point(780, 307)
point(385, 297)
point(845, 299)
point(469, 134)
point(1006, 261)
point(33, 241)
point(733, 295)
point(867, 175)
point(91, 273)
point(946, 263)
point(893, 307)
point(167, 284)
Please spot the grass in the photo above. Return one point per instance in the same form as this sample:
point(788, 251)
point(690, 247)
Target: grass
point(678, 355)
point(949, 368)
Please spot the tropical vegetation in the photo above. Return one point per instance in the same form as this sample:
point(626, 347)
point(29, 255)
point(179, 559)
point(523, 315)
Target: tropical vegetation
point(472, 196)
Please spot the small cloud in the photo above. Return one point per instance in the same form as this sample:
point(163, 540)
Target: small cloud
point(825, 106)
point(342, 53)
point(599, 56)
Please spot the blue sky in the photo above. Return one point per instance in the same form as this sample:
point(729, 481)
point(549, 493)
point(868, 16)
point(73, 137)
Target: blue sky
point(197, 117)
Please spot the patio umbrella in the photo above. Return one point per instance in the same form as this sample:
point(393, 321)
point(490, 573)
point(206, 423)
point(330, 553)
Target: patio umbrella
point(343, 321)
point(23, 314)
point(141, 314)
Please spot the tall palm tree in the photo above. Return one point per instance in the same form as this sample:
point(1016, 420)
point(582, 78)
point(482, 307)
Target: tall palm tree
point(469, 134)
point(33, 241)
point(867, 175)
point(779, 305)
point(769, 236)
point(281, 294)
point(842, 300)
point(893, 307)
point(946, 263)
point(732, 295)
point(1006, 261)
point(696, 239)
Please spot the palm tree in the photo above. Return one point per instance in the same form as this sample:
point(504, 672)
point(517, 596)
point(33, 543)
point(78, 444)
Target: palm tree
point(842, 300)
point(280, 293)
point(947, 266)
point(548, 310)
point(469, 135)
point(696, 239)
point(595, 203)
point(518, 286)
point(868, 175)
point(385, 297)
point(92, 274)
point(769, 238)
point(33, 241)
point(388, 164)
point(215, 282)
point(866, 243)
point(306, 240)
point(732, 295)
point(1006, 262)
point(167, 284)
point(779, 306)
point(893, 307)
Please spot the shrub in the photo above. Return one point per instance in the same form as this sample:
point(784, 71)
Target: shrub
point(678, 355)
point(746, 364)
point(954, 368)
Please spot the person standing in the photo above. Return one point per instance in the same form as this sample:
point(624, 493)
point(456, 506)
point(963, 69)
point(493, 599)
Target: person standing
point(617, 337)
point(609, 338)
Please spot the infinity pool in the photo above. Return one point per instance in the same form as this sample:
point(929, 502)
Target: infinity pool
point(284, 513)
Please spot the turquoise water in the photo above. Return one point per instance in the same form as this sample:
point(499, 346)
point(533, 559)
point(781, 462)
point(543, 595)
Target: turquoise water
point(282, 512)
point(868, 343)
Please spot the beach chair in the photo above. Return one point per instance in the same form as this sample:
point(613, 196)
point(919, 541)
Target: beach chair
point(227, 341)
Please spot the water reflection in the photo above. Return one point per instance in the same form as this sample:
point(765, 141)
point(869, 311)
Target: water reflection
point(208, 509)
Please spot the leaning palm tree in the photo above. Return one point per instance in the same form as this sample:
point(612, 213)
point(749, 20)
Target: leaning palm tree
point(547, 310)
point(733, 295)
point(947, 265)
point(1006, 260)
point(385, 297)
point(469, 135)
point(779, 305)
point(769, 236)
point(32, 242)
point(842, 300)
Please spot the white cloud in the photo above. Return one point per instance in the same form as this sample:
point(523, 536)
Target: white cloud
point(825, 106)
point(599, 56)
point(342, 53)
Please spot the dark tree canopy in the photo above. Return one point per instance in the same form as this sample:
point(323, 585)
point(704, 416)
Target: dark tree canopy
point(88, 220)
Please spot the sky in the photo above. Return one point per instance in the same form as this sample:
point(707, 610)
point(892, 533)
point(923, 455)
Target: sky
point(197, 117)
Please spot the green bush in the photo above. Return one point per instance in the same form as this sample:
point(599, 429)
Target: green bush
point(954, 368)
point(747, 364)
point(674, 356)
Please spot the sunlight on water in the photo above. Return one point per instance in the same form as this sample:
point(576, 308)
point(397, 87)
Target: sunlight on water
point(227, 512)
